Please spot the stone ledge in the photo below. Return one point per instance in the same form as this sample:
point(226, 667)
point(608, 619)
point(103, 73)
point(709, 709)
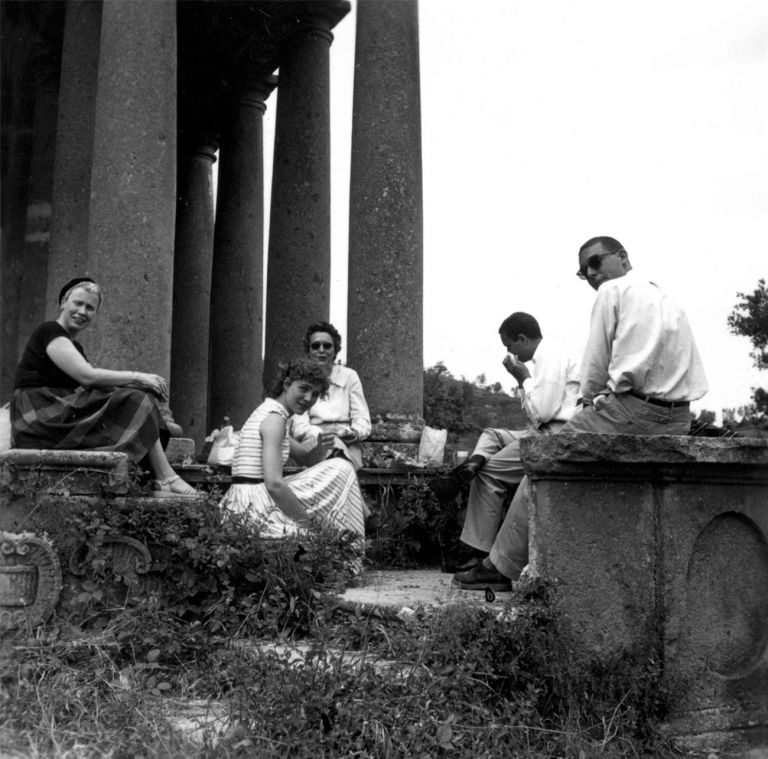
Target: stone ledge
point(200, 475)
point(644, 457)
point(65, 472)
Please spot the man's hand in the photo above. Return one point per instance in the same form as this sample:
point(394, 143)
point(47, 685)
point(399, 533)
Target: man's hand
point(516, 368)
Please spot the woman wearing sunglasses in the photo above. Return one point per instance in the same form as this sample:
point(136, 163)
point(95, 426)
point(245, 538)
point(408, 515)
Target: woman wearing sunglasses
point(343, 410)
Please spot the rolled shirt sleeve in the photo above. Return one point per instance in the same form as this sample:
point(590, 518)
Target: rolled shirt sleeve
point(551, 391)
point(597, 355)
point(343, 405)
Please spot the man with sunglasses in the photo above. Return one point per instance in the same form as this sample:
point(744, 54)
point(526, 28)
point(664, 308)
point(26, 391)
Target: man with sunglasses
point(640, 371)
point(641, 368)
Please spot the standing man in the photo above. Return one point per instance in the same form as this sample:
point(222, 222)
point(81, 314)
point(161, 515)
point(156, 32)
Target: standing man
point(549, 396)
point(641, 369)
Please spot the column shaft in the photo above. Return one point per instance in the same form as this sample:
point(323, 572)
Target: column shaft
point(18, 118)
point(74, 146)
point(298, 271)
point(133, 185)
point(238, 266)
point(32, 292)
point(385, 297)
point(193, 260)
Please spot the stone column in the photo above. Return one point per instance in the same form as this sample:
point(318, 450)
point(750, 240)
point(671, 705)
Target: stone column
point(133, 185)
point(32, 291)
point(17, 118)
point(238, 263)
point(193, 260)
point(385, 296)
point(298, 272)
point(74, 147)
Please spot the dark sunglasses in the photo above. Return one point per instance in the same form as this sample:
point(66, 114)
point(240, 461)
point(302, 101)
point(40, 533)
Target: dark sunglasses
point(316, 346)
point(594, 261)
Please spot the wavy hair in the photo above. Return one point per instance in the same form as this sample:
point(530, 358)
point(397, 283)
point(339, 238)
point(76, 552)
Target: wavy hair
point(302, 368)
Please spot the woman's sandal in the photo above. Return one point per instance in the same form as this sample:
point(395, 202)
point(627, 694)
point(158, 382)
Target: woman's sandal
point(169, 489)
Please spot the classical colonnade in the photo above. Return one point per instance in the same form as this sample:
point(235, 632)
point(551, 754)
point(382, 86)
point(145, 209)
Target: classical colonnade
point(108, 162)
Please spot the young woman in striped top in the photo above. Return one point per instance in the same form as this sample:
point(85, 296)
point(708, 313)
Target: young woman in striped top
point(327, 491)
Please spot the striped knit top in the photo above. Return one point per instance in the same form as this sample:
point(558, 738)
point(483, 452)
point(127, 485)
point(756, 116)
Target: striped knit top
point(248, 454)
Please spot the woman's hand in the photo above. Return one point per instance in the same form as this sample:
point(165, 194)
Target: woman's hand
point(154, 383)
point(347, 434)
point(324, 443)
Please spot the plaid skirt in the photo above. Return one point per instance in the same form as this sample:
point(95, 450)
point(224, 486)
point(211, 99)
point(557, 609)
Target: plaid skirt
point(122, 419)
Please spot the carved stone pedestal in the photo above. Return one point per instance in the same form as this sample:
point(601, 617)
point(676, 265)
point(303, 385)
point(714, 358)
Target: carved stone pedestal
point(662, 542)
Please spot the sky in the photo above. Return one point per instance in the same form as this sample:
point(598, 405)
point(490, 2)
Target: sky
point(547, 122)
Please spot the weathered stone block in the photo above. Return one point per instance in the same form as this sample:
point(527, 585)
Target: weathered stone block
point(44, 554)
point(28, 471)
point(180, 449)
point(663, 541)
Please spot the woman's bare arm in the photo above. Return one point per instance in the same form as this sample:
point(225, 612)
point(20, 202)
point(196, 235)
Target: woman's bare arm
point(64, 354)
point(272, 433)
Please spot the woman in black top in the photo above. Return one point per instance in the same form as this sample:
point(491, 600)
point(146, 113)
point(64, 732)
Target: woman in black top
point(62, 401)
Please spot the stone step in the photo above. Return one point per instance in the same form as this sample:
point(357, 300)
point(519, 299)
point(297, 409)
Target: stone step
point(401, 592)
point(386, 593)
point(28, 471)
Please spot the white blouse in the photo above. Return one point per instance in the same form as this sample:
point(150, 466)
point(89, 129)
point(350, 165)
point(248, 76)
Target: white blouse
point(344, 404)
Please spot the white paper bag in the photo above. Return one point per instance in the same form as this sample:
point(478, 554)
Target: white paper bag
point(5, 427)
point(223, 448)
point(432, 446)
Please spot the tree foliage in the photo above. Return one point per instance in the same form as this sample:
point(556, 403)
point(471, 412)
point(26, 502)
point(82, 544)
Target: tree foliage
point(461, 406)
point(750, 319)
point(446, 399)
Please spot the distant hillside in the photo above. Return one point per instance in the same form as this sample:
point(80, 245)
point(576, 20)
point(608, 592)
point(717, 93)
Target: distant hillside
point(464, 408)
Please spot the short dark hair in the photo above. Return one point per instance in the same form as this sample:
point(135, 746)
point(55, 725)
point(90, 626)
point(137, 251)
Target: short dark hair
point(520, 323)
point(302, 368)
point(609, 244)
point(323, 327)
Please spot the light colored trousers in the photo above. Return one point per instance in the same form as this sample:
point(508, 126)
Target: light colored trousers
point(622, 414)
point(502, 470)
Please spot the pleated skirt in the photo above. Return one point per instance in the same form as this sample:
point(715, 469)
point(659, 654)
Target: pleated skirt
point(329, 491)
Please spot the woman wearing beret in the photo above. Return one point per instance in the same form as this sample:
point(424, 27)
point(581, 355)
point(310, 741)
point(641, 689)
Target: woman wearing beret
point(61, 401)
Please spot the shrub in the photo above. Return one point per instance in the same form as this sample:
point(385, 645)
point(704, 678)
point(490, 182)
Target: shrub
point(416, 529)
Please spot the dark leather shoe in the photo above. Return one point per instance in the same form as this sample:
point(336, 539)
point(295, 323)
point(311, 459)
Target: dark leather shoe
point(481, 577)
point(471, 562)
point(467, 471)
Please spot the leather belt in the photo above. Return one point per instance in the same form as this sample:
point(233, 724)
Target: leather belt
point(659, 402)
point(242, 480)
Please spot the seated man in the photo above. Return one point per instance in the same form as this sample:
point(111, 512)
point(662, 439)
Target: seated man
point(641, 369)
point(549, 397)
